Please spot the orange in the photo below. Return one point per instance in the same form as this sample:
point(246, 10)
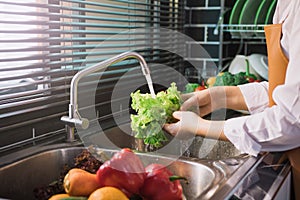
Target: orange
point(59, 196)
point(108, 193)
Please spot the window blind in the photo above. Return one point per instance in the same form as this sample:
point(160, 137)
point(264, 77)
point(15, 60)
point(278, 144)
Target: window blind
point(44, 43)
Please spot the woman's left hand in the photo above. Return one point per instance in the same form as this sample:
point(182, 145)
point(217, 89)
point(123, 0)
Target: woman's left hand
point(187, 125)
point(191, 124)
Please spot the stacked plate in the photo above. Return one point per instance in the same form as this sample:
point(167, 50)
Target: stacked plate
point(258, 65)
point(234, 17)
point(247, 14)
point(262, 14)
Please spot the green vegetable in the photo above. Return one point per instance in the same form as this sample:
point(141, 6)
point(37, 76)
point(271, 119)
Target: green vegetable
point(153, 113)
point(240, 78)
point(225, 78)
point(190, 87)
point(250, 77)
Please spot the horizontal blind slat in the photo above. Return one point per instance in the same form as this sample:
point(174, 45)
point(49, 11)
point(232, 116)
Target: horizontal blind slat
point(46, 44)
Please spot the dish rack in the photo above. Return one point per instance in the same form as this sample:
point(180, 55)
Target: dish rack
point(246, 31)
point(232, 30)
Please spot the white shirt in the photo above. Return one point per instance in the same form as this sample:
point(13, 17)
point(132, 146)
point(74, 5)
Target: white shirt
point(275, 128)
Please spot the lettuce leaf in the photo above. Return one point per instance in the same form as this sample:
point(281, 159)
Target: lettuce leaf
point(153, 113)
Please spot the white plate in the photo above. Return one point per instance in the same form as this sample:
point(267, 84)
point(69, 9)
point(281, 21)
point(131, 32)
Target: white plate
point(259, 63)
point(239, 64)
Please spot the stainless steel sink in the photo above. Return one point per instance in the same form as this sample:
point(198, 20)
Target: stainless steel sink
point(213, 176)
point(19, 178)
point(121, 136)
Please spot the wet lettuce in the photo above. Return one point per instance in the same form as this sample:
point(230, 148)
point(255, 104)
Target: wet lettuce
point(153, 113)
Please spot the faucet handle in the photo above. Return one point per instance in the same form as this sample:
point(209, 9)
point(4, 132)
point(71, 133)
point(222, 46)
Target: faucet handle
point(83, 122)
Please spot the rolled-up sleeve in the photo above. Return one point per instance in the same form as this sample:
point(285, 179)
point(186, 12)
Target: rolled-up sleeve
point(275, 128)
point(256, 96)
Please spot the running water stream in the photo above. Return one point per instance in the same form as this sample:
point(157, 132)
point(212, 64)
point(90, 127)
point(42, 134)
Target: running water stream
point(150, 85)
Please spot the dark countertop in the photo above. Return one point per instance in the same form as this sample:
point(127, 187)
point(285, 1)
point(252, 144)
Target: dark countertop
point(266, 179)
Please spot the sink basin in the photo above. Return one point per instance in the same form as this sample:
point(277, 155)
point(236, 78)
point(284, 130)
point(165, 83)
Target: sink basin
point(121, 136)
point(20, 177)
point(213, 173)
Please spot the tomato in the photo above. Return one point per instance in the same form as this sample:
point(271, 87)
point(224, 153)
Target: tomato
point(250, 80)
point(200, 87)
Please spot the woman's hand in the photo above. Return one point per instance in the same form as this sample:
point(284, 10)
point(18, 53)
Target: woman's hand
point(186, 127)
point(190, 124)
point(202, 103)
point(206, 101)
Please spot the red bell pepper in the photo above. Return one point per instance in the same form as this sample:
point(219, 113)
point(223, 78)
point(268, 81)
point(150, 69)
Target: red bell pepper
point(249, 77)
point(160, 183)
point(201, 87)
point(124, 171)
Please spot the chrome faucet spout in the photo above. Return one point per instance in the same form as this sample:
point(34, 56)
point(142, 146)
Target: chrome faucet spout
point(101, 65)
point(74, 117)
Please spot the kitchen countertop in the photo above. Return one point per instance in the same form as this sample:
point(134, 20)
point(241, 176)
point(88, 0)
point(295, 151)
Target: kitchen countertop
point(258, 177)
point(266, 176)
point(265, 180)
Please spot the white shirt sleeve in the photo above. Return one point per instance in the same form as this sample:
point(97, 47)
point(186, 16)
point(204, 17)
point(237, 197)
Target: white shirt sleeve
point(256, 96)
point(276, 128)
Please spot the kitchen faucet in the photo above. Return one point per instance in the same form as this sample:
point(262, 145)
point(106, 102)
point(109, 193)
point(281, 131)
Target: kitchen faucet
point(74, 117)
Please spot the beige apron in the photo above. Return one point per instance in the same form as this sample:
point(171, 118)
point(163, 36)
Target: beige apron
point(278, 62)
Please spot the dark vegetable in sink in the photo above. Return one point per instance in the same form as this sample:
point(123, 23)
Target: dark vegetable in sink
point(56, 187)
point(85, 160)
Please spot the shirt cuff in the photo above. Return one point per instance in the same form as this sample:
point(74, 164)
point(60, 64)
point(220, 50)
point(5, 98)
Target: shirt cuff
point(256, 96)
point(234, 131)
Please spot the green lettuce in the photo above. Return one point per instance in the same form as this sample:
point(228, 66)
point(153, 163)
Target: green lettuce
point(153, 113)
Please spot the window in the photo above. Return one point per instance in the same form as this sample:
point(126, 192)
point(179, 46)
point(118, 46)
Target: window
point(20, 64)
point(43, 44)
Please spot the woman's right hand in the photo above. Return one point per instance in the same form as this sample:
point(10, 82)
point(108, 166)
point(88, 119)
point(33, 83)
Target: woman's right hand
point(205, 101)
